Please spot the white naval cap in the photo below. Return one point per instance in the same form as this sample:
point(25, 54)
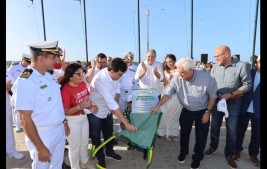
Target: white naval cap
point(45, 46)
point(128, 56)
point(26, 57)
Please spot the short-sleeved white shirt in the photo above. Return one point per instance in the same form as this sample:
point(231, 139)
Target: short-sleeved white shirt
point(16, 69)
point(149, 80)
point(102, 93)
point(40, 94)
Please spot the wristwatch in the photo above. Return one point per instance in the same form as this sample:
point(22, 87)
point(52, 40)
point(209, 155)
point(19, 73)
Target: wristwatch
point(65, 121)
point(209, 111)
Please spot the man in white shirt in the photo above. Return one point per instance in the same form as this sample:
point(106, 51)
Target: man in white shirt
point(97, 65)
point(15, 70)
point(103, 88)
point(150, 72)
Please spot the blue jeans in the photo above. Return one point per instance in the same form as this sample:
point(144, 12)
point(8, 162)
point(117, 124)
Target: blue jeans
point(233, 107)
point(254, 145)
point(201, 132)
point(96, 125)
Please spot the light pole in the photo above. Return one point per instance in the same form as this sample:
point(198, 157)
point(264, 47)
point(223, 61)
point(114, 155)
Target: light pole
point(42, 6)
point(147, 24)
point(85, 30)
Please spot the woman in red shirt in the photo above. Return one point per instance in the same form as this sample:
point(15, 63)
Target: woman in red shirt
point(75, 97)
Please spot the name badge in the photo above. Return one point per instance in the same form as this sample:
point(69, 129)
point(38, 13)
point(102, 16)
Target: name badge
point(43, 86)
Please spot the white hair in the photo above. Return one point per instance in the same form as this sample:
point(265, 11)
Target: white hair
point(186, 62)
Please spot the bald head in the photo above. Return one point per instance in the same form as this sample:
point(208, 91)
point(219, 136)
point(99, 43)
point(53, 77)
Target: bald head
point(223, 55)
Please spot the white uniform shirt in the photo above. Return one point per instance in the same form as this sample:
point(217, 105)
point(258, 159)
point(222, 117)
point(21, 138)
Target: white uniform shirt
point(11, 79)
point(41, 94)
point(127, 80)
point(133, 67)
point(149, 80)
point(126, 83)
point(102, 93)
point(16, 69)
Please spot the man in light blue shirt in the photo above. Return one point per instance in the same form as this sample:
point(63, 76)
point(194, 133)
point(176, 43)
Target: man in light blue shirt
point(196, 91)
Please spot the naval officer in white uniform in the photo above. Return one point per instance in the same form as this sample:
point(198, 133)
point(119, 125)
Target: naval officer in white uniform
point(39, 103)
point(15, 69)
point(10, 140)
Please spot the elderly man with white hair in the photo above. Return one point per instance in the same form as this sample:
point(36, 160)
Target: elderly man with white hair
point(196, 91)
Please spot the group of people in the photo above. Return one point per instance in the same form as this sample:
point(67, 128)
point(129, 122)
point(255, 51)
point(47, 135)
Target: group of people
point(74, 105)
point(200, 92)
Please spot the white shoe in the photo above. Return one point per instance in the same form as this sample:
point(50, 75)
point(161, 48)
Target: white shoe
point(16, 155)
point(88, 165)
point(18, 129)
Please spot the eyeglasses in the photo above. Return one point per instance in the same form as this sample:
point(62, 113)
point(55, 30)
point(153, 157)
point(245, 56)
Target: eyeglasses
point(220, 55)
point(79, 73)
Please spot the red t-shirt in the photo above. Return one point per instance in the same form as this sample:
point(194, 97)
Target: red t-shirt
point(72, 96)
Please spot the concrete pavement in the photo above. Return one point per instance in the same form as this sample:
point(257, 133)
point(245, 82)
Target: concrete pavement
point(164, 155)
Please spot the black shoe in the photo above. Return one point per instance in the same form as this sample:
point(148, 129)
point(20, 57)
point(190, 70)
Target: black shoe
point(101, 165)
point(114, 156)
point(145, 154)
point(181, 158)
point(65, 166)
point(195, 164)
point(129, 146)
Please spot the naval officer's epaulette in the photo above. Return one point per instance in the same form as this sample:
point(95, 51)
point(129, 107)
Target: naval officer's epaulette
point(132, 70)
point(26, 73)
point(15, 63)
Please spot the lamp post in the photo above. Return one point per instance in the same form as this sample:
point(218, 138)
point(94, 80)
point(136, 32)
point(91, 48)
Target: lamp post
point(85, 30)
point(147, 23)
point(138, 18)
point(42, 6)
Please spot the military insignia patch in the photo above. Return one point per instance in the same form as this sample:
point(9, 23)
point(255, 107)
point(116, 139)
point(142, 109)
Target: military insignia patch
point(44, 86)
point(26, 73)
point(132, 70)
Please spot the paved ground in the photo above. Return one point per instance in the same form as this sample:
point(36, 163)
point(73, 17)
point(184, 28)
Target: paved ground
point(164, 155)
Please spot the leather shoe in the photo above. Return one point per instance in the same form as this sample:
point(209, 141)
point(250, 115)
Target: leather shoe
point(231, 162)
point(237, 155)
point(209, 152)
point(65, 166)
point(255, 161)
point(16, 155)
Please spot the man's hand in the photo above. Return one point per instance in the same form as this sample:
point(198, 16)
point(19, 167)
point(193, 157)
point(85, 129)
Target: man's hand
point(205, 117)
point(43, 154)
point(93, 109)
point(155, 70)
point(130, 127)
point(143, 66)
point(8, 85)
point(154, 110)
point(93, 63)
point(67, 129)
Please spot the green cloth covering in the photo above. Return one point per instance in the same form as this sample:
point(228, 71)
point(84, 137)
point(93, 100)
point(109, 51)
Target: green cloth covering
point(147, 125)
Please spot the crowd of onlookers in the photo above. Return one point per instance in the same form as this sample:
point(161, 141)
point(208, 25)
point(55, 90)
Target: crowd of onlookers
point(87, 95)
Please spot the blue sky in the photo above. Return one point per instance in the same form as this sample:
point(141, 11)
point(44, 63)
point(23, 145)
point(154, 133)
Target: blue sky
point(112, 27)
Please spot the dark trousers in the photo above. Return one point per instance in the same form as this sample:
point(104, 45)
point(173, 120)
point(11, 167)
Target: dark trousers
point(231, 127)
point(201, 132)
point(96, 126)
point(254, 145)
